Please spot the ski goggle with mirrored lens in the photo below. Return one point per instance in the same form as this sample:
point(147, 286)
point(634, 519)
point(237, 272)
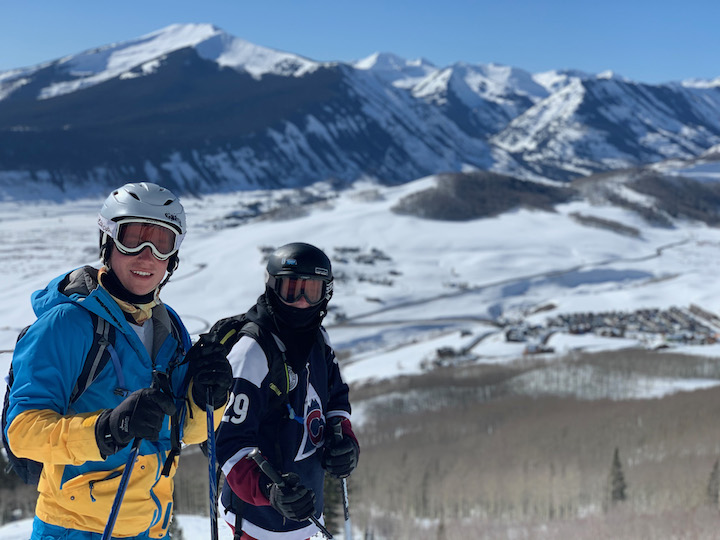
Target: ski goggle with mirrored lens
point(291, 289)
point(133, 235)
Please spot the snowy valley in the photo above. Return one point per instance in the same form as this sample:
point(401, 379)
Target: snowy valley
point(434, 317)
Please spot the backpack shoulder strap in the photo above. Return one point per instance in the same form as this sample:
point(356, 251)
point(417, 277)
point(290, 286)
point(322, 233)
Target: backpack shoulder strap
point(228, 331)
point(22, 333)
point(176, 327)
point(274, 351)
point(101, 351)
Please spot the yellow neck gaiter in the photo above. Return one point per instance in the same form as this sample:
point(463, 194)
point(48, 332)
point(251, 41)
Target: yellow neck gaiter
point(139, 312)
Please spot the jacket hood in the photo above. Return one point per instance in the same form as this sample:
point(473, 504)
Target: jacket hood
point(80, 287)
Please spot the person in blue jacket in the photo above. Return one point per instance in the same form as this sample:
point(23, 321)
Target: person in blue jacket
point(84, 444)
point(294, 438)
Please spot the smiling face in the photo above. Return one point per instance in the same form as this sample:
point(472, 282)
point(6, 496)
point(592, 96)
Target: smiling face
point(141, 273)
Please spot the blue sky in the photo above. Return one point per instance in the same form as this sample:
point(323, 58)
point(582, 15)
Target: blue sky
point(647, 41)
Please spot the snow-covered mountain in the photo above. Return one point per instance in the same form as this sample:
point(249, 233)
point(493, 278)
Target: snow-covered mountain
point(396, 70)
point(604, 123)
point(143, 56)
point(481, 100)
point(199, 110)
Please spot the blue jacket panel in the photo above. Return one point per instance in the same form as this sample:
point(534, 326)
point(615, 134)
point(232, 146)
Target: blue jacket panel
point(47, 363)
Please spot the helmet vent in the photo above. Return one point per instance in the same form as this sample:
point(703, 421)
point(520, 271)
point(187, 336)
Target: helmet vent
point(169, 201)
point(133, 195)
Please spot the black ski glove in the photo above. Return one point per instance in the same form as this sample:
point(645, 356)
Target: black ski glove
point(209, 370)
point(293, 500)
point(141, 414)
point(340, 457)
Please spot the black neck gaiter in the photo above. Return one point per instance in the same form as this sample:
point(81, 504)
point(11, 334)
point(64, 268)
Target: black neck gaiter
point(113, 285)
point(297, 328)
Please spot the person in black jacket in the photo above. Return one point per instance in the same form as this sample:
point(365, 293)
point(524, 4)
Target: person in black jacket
point(291, 427)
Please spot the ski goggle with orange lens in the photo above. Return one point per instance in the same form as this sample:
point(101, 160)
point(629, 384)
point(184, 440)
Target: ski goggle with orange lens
point(133, 235)
point(291, 289)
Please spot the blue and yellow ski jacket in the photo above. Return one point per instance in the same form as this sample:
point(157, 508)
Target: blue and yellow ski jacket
point(77, 486)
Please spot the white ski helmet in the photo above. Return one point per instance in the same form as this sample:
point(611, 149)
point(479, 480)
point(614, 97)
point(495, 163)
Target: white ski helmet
point(142, 202)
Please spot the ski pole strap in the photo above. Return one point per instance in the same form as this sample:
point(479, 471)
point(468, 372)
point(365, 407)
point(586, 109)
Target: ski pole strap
point(175, 448)
point(161, 380)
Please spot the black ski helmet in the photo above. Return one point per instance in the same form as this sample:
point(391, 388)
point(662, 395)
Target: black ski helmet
point(300, 260)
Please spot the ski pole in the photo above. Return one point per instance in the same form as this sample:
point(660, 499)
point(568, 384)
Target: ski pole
point(210, 410)
point(275, 477)
point(110, 525)
point(337, 434)
point(159, 380)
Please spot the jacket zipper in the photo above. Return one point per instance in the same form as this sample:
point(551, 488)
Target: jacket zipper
point(93, 482)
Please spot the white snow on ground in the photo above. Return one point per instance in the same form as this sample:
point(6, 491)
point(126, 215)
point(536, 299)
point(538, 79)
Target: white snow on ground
point(434, 283)
point(431, 284)
point(193, 528)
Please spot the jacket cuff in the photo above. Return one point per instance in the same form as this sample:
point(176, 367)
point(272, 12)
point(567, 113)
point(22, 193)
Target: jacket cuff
point(103, 436)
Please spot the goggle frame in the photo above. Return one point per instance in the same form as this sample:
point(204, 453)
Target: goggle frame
point(112, 229)
point(275, 283)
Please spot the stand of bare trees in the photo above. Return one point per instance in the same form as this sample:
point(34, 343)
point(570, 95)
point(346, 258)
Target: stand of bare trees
point(471, 452)
point(497, 461)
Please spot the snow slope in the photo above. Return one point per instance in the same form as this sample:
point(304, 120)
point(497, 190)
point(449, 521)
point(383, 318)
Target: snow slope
point(193, 528)
point(405, 286)
point(430, 284)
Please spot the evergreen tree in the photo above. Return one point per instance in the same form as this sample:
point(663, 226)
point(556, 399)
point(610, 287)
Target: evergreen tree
point(617, 487)
point(713, 487)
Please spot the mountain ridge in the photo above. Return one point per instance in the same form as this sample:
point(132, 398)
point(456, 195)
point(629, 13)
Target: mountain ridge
point(200, 110)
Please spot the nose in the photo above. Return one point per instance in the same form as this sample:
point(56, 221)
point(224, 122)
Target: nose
point(145, 253)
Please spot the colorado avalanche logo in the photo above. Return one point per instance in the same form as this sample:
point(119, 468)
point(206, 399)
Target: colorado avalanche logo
point(313, 437)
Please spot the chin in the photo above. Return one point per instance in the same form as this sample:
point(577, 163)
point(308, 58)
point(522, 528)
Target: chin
point(142, 291)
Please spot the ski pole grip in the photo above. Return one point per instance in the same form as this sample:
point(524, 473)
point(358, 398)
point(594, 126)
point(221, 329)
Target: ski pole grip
point(275, 477)
point(265, 467)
